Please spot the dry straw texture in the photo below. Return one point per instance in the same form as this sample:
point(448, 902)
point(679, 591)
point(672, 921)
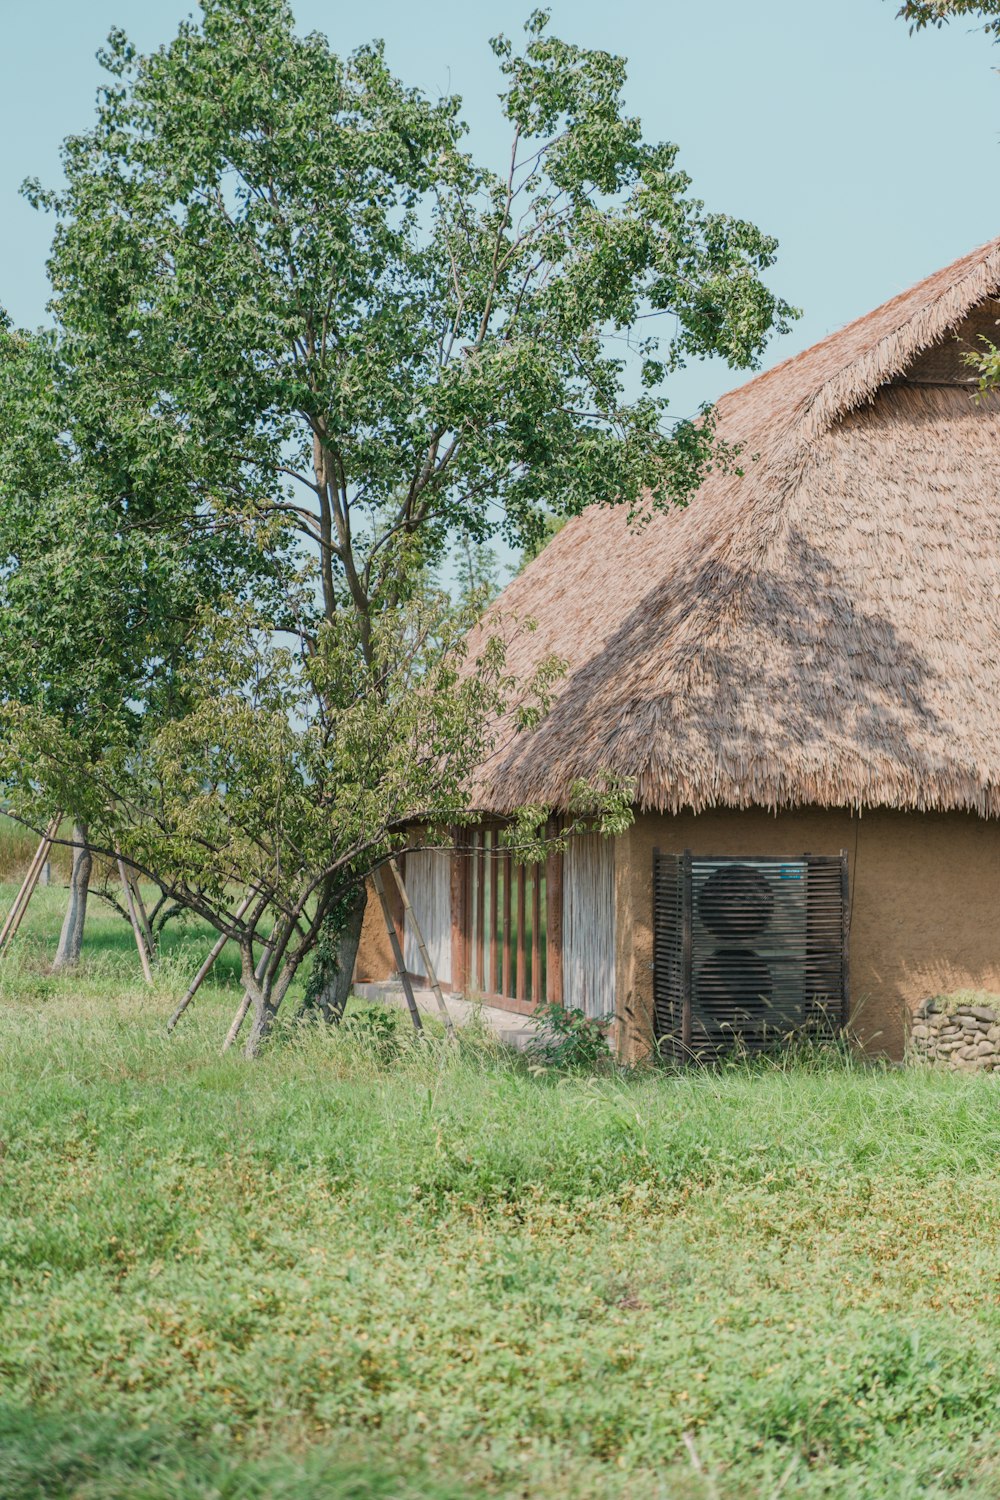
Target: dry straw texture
point(825, 628)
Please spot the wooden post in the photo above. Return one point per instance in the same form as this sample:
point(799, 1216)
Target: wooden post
point(507, 978)
point(520, 969)
point(495, 980)
point(536, 934)
point(137, 932)
point(30, 881)
point(554, 930)
point(203, 972)
point(397, 951)
point(480, 858)
point(429, 968)
point(459, 917)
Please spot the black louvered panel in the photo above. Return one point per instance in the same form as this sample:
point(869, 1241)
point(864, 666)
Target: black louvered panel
point(670, 923)
point(747, 951)
point(826, 944)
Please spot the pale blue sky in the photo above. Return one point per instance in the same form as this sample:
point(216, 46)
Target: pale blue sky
point(872, 155)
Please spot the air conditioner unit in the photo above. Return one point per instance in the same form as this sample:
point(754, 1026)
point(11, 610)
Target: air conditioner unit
point(747, 950)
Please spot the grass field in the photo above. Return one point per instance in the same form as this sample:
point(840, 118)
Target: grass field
point(352, 1270)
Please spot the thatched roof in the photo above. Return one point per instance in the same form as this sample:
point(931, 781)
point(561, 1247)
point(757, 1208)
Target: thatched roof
point(824, 629)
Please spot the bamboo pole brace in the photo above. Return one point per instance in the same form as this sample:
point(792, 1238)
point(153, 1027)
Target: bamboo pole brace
point(206, 967)
point(140, 907)
point(397, 952)
point(429, 968)
point(137, 933)
point(237, 1022)
point(30, 881)
point(25, 892)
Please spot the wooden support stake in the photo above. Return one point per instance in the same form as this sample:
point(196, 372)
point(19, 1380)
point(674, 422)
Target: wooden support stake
point(140, 907)
point(206, 967)
point(137, 932)
point(30, 881)
point(397, 951)
point(429, 968)
point(237, 1022)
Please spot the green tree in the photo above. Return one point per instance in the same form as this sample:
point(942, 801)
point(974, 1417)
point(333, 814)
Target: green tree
point(295, 288)
point(922, 13)
point(380, 339)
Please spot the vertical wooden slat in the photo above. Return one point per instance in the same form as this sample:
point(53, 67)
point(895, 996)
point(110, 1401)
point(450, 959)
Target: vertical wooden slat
point(508, 913)
point(553, 929)
point(520, 966)
point(480, 909)
point(494, 984)
point(467, 912)
point(536, 935)
point(459, 915)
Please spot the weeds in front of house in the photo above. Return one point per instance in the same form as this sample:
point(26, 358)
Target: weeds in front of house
point(571, 1041)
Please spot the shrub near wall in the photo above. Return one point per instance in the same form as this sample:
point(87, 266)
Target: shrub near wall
point(958, 1035)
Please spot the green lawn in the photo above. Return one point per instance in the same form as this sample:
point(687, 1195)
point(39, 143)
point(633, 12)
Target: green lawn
point(350, 1270)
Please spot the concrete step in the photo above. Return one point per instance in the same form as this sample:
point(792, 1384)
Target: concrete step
point(512, 1029)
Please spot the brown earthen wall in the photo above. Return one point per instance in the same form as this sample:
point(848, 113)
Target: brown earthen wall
point(375, 960)
point(925, 891)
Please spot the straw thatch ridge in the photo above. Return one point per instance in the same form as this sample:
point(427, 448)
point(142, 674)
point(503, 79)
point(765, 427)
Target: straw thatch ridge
point(824, 628)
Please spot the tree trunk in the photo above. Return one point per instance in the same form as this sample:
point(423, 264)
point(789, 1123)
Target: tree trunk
point(266, 995)
point(263, 1016)
point(71, 937)
point(329, 991)
point(266, 990)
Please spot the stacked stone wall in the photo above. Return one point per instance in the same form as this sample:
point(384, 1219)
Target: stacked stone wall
point(961, 1038)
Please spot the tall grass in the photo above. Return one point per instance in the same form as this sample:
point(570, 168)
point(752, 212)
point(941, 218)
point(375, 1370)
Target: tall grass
point(371, 1266)
point(18, 845)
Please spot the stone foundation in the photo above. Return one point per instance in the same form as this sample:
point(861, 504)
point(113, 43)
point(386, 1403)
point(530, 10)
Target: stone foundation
point(963, 1038)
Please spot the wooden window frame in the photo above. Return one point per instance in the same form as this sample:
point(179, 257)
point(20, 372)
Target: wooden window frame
point(488, 962)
